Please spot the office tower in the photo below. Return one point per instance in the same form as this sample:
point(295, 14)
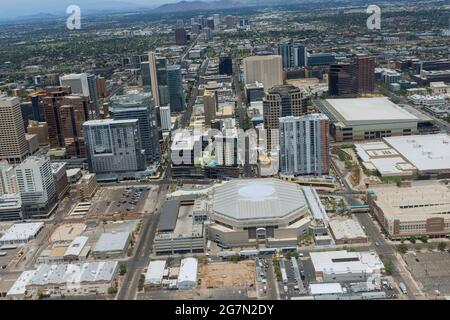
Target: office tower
point(158, 77)
point(13, 144)
point(202, 20)
point(154, 77)
point(226, 147)
point(73, 114)
point(225, 65)
point(281, 101)
point(164, 113)
point(83, 84)
point(210, 106)
point(180, 36)
point(229, 22)
point(59, 172)
point(101, 87)
point(265, 69)
point(194, 20)
point(320, 59)
point(8, 179)
point(342, 80)
point(196, 28)
point(300, 55)
point(26, 109)
point(139, 106)
point(78, 83)
point(207, 32)
point(216, 18)
point(365, 69)
point(285, 51)
point(113, 146)
point(254, 92)
point(40, 129)
point(145, 74)
point(37, 187)
point(36, 105)
point(210, 23)
point(180, 23)
point(304, 145)
point(176, 92)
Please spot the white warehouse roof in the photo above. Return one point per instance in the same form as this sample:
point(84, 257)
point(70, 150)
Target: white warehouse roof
point(76, 246)
point(325, 288)
point(112, 242)
point(346, 262)
point(188, 270)
point(155, 272)
point(21, 232)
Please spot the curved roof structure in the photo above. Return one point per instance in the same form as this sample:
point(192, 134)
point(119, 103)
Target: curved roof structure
point(258, 199)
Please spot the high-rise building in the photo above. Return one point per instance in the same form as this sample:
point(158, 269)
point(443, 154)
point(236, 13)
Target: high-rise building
point(13, 144)
point(37, 187)
point(285, 51)
point(154, 77)
point(180, 36)
point(73, 114)
point(320, 59)
point(145, 74)
point(230, 22)
point(102, 91)
point(304, 145)
point(176, 91)
point(83, 84)
point(365, 66)
point(139, 106)
point(225, 65)
point(265, 69)
point(281, 101)
point(210, 23)
point(158, 77)
point(52, 101)
point(300, 55)
point(113, 146)
point(342, 80)
point(210, 106)
point(8, 179)
point(216, 18)
point(40, 129)
point(164, 113)
point(254, 92)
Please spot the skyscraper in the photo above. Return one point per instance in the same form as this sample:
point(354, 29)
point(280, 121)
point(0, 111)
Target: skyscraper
point(13, 144)
point(145, 74)
point(210, 23)
point(176, 92)
point(180, 36)
point(225, 65)
point(8, 179)
point(73, 114)
point(365, 66)
point(342, 80)
point(84, 84)
point(300, 55)
point(216, 18)
point(265, 69)
point(285, 51)
point(304, 145)
point(37, 187)
point(164, 113)
point(154, 77)
point(158, 77)
point(113, 146)
point(51, 102)
point(230, 22)
point(281, 101)
point(139, 106)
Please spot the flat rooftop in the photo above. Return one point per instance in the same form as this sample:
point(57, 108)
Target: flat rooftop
point(425, 152)
point(112, 242)
point(21, 231)
point(358, 111)
point(346, 229)
point(416, 203)
point(346, 262)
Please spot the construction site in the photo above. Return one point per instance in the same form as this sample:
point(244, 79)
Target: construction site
point(227, 275)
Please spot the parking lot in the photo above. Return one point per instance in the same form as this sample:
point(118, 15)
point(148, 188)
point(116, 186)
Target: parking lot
point(115, 201)
point(432, 270)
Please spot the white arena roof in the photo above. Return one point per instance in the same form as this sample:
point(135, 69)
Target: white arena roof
point(425, 152)
point(258, 199)
point(356, 111)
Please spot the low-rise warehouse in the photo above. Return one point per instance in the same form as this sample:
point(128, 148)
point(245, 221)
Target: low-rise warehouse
point(187, 278)
point(20, 233)
point(154, 274)
point(111, 245)
point(342, 266)
point(347, 231)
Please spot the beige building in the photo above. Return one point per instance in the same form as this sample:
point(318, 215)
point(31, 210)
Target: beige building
point(13, 144)
point(210, 106)
point(86, 187)
point(267, 70)
point(413, 210)
point(8, 179)
point(40, 129)
point(33, 142)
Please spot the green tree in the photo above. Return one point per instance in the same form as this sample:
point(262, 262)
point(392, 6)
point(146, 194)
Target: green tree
point(424, 239)
point(402, 248)
point(418, 247)
point(122, 268)
point(112, 290)
point(388, 266)
point(413, 239)
point(442, 246)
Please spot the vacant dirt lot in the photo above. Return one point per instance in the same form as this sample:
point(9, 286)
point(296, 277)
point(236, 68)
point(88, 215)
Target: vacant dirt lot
point(227, 275)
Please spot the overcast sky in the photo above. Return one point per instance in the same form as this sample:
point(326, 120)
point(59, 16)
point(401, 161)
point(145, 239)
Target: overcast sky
point(14, 8)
